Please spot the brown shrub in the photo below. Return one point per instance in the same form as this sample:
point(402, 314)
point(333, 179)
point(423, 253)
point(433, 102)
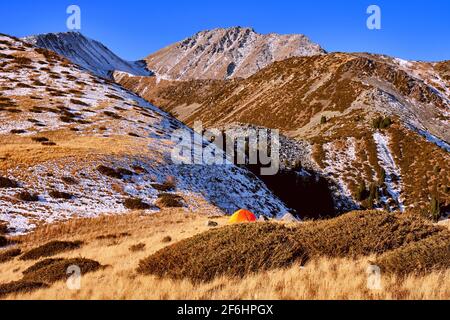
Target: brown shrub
point(125, 172)
point(233, 251)
point(243, 249)
point(18, 131)
point(60, 195)
point(3, 227)
point(110, 172)
point(166, 239)
point(7, 183)
point(112, 115)
point(9, 255)
point(113, 236)
point(3, 241)
point(69, 180)
point(431, 254)
point(38, 83)
point(169, 185)
point(136, 204)
point(113, 96)
point(135, 135)
point(78, 102)
point(67, 119)
point(40, 139)
point(168, 200)
point(23, 60)
point(51, 249)
point(48, 143)
point(137, 247)
point(53, 270)
point(363, 233)
point(20, 287)
point(140, 170)
point(28, 197)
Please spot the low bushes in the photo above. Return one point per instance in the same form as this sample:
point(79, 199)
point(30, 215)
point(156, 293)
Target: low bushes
point(28, 197)
point(169, 185)
point(52, 270)
point(3, 241)
point(9, 255)
point(363, 233)
point(136, 204)
point(234, 251)
point(7, 183)
point(51, 249)
point(60, 195)
point(3, 227)
point(118, 173)
point(168, 200)
point(18, 131)
point(112, 115)
point(20, 287)
point(382, 123)
point(79, 102)
point(408, 244)
point(431, 254)
point(137, 247)
point(70, 180)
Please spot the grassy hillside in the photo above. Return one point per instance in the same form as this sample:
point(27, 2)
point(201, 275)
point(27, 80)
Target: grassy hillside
point(114, 247)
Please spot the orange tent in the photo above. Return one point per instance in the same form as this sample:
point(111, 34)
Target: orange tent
point(242, 216)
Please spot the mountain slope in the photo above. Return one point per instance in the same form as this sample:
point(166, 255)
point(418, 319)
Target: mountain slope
point(73, 144)
point(227, 53)
point(89, 54)
point(343, 106)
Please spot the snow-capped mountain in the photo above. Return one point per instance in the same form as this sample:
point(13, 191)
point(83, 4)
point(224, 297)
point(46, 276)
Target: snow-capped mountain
point(87, 53)
point(369, 120)
point(76, 145)
point(227, 53)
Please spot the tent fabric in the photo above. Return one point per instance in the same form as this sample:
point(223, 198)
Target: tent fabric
point(242, 216)
point(288, 217)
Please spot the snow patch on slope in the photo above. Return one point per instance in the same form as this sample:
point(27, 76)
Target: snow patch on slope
point(393, 176)
point(338, 163)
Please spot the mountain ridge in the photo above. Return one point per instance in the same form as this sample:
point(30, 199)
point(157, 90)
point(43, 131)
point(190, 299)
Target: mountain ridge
point(226, 53)
point(77, 145)
point(333, 102)
point(87, 53)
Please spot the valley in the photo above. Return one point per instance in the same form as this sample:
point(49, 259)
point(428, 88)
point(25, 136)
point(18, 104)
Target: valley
point(94, 171)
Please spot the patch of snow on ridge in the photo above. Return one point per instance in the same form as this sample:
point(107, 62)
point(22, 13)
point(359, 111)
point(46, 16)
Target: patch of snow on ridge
point(387, 162)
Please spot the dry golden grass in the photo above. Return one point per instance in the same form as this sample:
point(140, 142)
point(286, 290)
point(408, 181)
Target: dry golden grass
point(22, 151)
point(322, 278)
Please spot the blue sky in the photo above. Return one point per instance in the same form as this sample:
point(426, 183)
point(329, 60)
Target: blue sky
point(411, 29)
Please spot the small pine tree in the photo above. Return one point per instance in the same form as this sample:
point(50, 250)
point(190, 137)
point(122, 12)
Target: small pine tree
point(435, 209)
point(382, 176)
point(323, 120)
point(386, 123)
point(377, 122)
point(373, 195)
point(361, 193)
point(382, 123)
